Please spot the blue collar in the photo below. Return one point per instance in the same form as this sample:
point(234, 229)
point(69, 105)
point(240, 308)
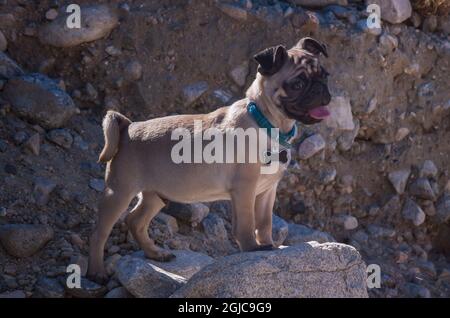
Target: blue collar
point(283, 138)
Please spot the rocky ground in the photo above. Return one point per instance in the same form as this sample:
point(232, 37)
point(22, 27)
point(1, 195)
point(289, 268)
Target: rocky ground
point(374, 176)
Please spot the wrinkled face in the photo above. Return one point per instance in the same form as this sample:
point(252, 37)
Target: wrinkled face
point(295, 81)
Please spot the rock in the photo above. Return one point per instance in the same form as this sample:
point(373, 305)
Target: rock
point(145, 280)
point(79, 143)
point(13, 294)
point(371, 105)
point(185, 264)
point(214, 227)
point(393, 11)
point(430, 23)
point(223, 96)
point(319, 3)
point(81, 261)
point(61, 137)
point(239, 74)
point(413, 212)
point(9, 68)
point(43, 187)
point(3, 42)
point(379, 232)
point(443, 208)
point(97, 184)
point(421, 188)
point(388, 43)
point(416, 19)
point(191, 213)
point(133, 71)
point(91, 92)
point(341, 116)
point(327, 175)
point(51, 14)
point(168, 221)
point(349, 222)
point(401, 133)
point(399, 179)
point(194, 91)
point(33, 144)
point(7, 20)
point(428, 170)
point(88, 289)
point(23, 240)
point(39, 99)
point(113, 51)
point(111, 263)
point(96, 22)
point(310, 146)
point(233, 10)
point(300, 234)
point(444, 24)
point(305, 270)
point(49, 288)
point(118, 292)
point(346, 140)
point(20, 137)
point(280, 229)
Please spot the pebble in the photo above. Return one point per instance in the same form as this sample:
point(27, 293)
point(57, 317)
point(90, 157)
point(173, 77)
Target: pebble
point(61, 137)
point(33, 144)
point(412, 212)
point(443, 208)
point(310, 146)
point(399, 179)
point(97, 184)
point(421, 188)
point(428, 169)
point(43, 187)
point(133, 71)
point(51, 14)
point(233, 10)
point(401, 133)
point(23, 240)
point(239, 74)
point(194, 91)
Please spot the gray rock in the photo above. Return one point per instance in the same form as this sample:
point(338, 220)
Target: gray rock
point(327, 175)
point(412, 212)
point(319, 3)
point(49, 288)
point(310, 146)
point(399, 179)
point(349, 222)
point(40, 100)
point(9, 68)
point(33, 144)
point(3, 42)
point(298, 234)
point(51, 14)
point(214, 227)
point(23, 240)
point(341, 116)
point(378, 232)
point(185, 264)
point(43, 187)
point(62, 137)
point(393, 11)
point(111, 263)
point(388, 43)
point(168, 221)
point(430, 23)
point(88, 289)
point(428, 169)
point(346, 140)
point(145, 280)
point(444, 24)
point(194, 91)
point(415, 290)
point(233, 10)
point(421, 188)
point(371, 105)
point(97, 184)
point(280, 229)
point(443, 208)
point(305, 270)
point(133, 71)
point(190, 213)
point(224, 96)
point(118, 292)
point(239, 74)
point(96, 22)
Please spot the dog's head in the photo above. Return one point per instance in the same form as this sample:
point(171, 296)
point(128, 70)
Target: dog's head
point(294, 80)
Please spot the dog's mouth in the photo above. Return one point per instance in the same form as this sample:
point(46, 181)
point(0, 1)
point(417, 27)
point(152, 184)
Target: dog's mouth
point(319, 113)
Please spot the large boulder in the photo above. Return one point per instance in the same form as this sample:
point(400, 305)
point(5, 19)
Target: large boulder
point(393, 11)
point(305, 270)
point(185, 264)
point(39, 99)
point(22, 240)
point(96, 22)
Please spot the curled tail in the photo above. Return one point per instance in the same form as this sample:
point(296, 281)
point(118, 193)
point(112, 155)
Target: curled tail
point(113, 124)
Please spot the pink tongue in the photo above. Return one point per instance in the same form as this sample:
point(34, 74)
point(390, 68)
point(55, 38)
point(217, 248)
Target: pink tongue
point(320, 112)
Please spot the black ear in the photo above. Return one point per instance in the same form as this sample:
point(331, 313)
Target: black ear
point(313, 46)
point(271, 60)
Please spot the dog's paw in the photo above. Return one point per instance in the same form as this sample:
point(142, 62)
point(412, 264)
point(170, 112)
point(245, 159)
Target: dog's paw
point(160, 256)
point(100, 277)
point(268, 247)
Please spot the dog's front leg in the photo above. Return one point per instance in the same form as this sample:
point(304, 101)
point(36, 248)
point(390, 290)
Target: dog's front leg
point(243, 203)
point(263, 216)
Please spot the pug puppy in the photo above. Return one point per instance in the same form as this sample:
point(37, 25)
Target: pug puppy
point(290, 86)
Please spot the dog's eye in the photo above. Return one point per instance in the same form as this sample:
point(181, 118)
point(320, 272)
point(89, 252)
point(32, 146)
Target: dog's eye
point(298, 84)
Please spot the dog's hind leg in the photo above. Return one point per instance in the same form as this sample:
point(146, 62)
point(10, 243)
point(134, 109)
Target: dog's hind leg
point(138, 222)
point(263, 216)
point(112, 205)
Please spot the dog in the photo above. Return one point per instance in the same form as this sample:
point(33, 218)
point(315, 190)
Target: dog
point(290, 86)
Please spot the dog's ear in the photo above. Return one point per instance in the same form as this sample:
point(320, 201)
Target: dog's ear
point(271, 60)
point(313, 46)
